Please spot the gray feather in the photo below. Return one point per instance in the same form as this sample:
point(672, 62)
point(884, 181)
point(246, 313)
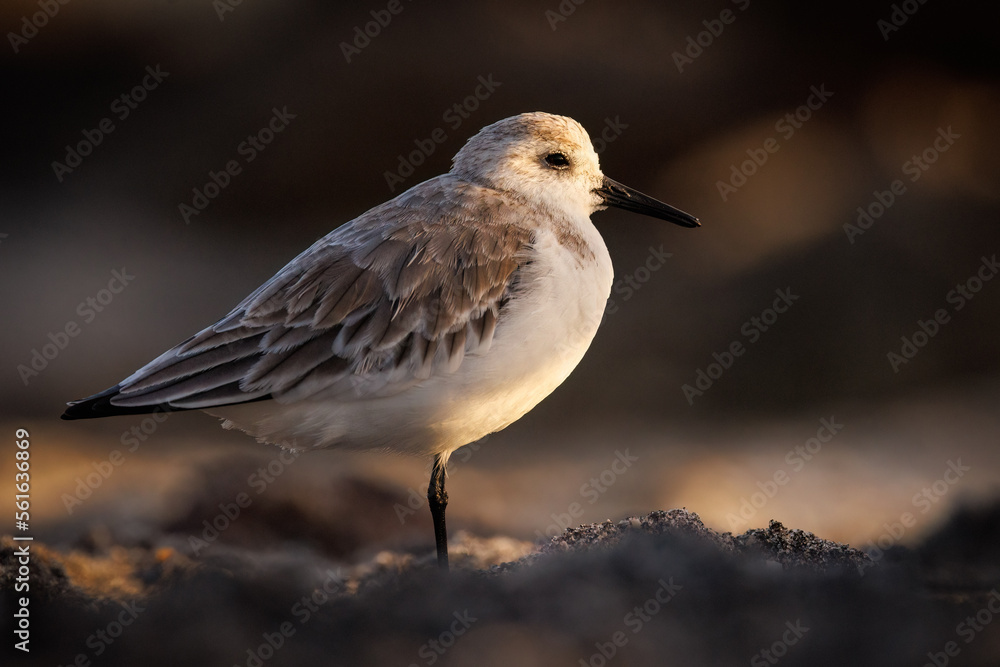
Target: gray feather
point(406, 291)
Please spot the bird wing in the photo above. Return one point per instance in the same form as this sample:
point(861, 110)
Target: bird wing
point(400, 294)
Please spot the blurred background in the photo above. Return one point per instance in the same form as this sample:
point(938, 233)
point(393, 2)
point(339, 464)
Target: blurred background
point(875, 209)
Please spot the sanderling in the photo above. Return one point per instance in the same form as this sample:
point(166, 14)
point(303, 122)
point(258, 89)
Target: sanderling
point(428, 322)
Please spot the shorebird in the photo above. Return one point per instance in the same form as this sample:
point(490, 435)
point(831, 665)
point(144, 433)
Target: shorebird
point(422, 325)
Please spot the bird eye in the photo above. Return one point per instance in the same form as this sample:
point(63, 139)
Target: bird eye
point(557, 160)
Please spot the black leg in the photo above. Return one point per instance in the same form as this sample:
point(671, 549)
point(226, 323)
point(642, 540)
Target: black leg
point(437, 498)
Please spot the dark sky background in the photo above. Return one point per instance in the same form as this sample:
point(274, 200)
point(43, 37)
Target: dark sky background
point(674, 132)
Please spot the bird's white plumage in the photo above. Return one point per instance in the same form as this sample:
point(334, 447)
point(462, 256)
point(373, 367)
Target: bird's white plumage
point(542, 335)
point(424, 324)
point(546, 325)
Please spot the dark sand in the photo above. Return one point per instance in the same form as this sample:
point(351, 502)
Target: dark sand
point(660, 589)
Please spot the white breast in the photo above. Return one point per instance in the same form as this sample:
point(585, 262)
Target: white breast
point(541, 336)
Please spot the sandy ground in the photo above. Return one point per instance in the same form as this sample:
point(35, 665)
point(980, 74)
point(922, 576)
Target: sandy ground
point(657, 589)
point(882, 462)
point(217, 539)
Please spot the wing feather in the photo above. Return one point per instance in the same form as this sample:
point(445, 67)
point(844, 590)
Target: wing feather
point(404, 292)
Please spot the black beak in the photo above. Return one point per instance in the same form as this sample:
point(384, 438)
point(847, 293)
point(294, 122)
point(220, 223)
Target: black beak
point(621, 196)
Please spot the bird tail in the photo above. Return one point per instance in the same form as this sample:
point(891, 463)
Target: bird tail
point(99, 405)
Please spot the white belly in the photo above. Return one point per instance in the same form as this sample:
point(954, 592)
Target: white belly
point(544, 336)
point(540, 338)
